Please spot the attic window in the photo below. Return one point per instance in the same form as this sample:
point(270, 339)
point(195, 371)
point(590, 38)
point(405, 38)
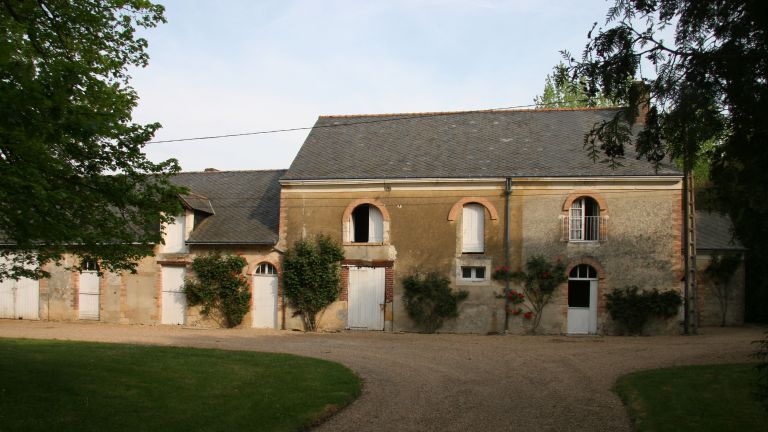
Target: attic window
point(366, 224)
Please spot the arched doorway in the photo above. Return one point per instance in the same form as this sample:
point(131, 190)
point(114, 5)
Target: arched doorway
point(264, 296)
point(582, 300)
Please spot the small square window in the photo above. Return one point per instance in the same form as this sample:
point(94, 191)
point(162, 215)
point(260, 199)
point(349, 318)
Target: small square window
point(473, 273)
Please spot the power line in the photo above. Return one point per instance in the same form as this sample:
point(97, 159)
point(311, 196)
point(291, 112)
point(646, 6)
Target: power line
point(382, 120)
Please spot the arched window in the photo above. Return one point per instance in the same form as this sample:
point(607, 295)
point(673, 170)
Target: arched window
point(583, 271)
point(265, 269)
point(366, 224)
point(584, 220)
point(473, 228)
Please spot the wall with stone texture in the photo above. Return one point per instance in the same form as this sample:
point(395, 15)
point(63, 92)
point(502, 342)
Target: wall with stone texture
point(642, 247)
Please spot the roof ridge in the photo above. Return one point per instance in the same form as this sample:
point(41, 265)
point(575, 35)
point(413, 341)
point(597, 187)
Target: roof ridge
point(233, 170)
point(491, 111)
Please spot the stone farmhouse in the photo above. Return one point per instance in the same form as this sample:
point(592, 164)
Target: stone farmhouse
point(458, 194)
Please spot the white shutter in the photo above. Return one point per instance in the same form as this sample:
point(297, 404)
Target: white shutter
point(375, 225)
point(473, 228)
point(174, 235)
point(577, 219)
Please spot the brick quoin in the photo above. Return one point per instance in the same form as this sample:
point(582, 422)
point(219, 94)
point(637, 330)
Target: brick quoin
point(344, 294)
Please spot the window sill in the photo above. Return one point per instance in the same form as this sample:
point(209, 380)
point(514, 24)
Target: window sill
point(365, 244)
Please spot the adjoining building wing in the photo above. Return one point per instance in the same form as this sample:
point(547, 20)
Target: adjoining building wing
point(232, 207)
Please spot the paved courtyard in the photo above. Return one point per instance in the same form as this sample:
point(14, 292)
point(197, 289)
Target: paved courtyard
point(417, 382)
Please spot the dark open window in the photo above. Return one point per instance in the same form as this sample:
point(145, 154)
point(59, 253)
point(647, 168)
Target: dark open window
point(360, 217)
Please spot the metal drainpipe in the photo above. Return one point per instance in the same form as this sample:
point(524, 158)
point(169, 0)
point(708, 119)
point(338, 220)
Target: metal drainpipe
point(507, 192)
point(283, 324)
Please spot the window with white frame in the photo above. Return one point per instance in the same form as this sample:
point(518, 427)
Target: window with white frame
point(473, 229)
point(584, 220)
point(473, 273)
point(265, 269)
point(366, 225)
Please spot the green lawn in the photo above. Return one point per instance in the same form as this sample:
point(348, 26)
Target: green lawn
point(61, 386)
point(693, 398)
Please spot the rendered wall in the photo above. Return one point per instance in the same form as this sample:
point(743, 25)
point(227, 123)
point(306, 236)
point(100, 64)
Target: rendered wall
point(643, 246)
point(135, 298)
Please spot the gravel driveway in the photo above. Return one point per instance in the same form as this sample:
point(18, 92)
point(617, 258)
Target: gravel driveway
point(419, 382)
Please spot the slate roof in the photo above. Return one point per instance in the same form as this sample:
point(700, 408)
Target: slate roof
point(530, 143)
point(245, 205)
point(714, 232)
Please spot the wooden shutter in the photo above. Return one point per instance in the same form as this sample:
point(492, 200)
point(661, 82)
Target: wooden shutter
point(473, 228)
point(375, 225)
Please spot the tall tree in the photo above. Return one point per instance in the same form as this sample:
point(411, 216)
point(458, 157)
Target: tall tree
point(74, 177)
point(709, 83)
point(562, 90)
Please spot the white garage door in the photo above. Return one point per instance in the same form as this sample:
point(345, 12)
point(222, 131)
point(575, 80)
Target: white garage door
point(20, 299)
point(88, 299)
point(174, 301)
point(265, 296)
point(366, 298)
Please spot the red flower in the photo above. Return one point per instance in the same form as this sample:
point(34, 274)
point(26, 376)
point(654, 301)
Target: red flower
point(528, 315)
point(517, 311)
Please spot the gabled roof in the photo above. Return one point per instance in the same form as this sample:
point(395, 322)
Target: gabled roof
point(197, 202)
point(714, 231)
point(487, 144)
point(244, 206)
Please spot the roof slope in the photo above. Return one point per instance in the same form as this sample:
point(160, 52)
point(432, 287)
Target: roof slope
point(714, 231)
point(245, 205)
point(532, 143)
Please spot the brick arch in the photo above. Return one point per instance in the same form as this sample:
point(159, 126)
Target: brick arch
point(372, 201)
point(454, 213)
point(590, 261)
point(586, 193)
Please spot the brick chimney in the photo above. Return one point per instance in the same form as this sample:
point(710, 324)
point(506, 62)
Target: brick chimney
point(643, 101)
point(210, 170)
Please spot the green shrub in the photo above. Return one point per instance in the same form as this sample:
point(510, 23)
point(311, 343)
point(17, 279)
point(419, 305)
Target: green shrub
point(429, 301)
point(311, 277)
point(632, 308)
point(220, 288)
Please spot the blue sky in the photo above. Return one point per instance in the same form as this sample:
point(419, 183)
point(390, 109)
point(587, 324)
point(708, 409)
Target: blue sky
point(220, 67)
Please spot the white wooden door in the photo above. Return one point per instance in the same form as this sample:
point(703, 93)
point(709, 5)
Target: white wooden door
point(582, 307)
point(88, 299)
point(174, 302)
point(366, 298)
point(20, 299)
point(264, 300)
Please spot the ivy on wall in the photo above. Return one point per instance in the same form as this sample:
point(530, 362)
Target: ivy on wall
point(220, 288)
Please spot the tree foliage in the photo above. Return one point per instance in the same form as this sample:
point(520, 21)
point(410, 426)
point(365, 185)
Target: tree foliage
point(562, 90)
point(220, 288)
point(311, 277)
point(74, 177)
point(707, 82)
point(430, 301)
point(720, 270)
